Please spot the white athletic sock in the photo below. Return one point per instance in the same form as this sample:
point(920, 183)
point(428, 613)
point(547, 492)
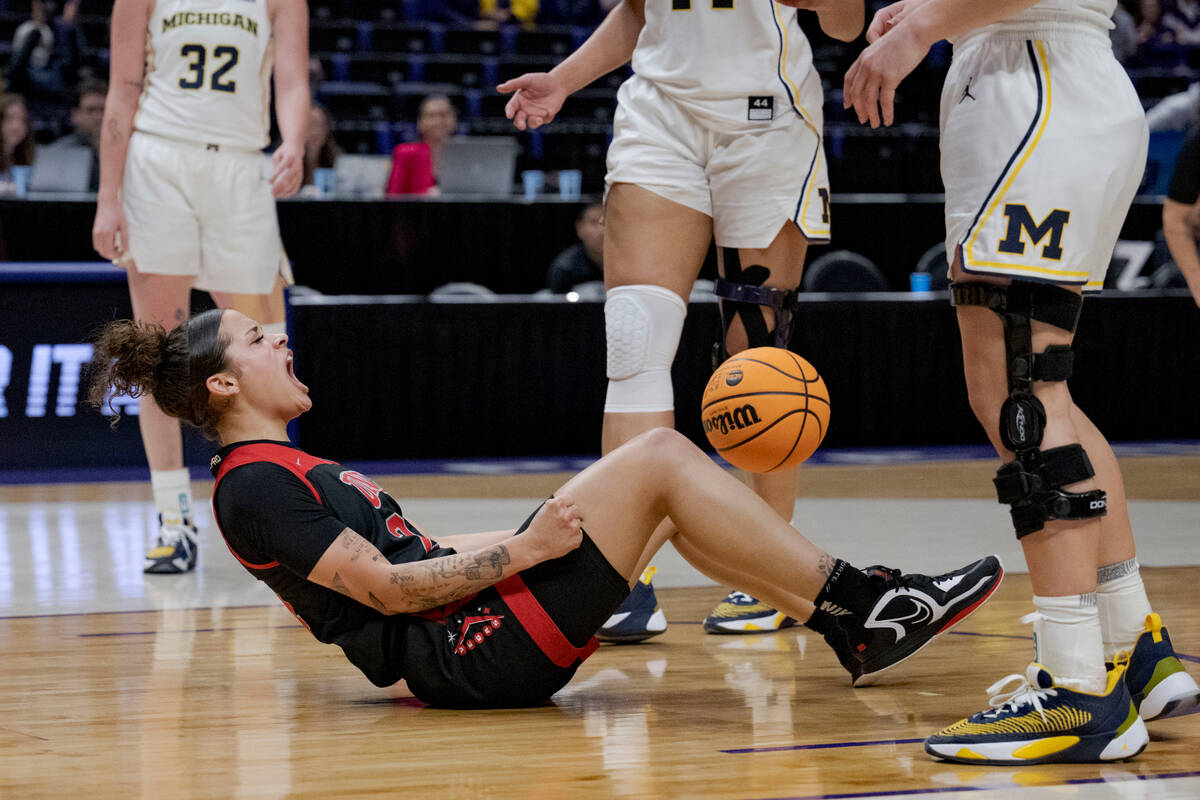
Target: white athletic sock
point(1067, 641)
point(1123, 605)
point(274, 327)
point(172, 494)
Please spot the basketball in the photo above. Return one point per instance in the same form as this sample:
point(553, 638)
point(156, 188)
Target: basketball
point(765, 409)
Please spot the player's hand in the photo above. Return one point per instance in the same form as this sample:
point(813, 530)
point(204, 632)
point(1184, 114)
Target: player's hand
point(556, 529)
point(537, 97)
point(110, 232)
point(871, 81)
point(885, 19)
point(288, 161)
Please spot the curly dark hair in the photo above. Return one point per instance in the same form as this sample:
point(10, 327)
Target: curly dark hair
point(140, 358)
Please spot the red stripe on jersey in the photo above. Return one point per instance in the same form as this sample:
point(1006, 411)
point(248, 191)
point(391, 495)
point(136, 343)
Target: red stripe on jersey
point(540, 627)
point(295, 461)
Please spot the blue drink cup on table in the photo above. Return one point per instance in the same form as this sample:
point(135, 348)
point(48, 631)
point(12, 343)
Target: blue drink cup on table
point(325, 179)
point(570, 184)
point(20, 176)
point(919, 281)
point(534, 180)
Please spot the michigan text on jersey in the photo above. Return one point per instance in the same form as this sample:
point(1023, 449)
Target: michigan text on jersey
point(210, 18)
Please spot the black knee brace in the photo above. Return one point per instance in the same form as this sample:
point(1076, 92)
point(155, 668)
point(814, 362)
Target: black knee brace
point(741, 295)
point(1032, 483)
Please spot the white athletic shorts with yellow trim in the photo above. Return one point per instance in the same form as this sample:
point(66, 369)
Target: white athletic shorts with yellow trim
point(1043, 147)
point(751, 184)
point(202, 212)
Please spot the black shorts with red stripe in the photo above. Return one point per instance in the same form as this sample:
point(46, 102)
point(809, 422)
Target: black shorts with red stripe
point(513, 644)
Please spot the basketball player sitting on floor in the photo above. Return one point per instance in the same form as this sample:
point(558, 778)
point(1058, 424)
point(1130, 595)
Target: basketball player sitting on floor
point(501, 618)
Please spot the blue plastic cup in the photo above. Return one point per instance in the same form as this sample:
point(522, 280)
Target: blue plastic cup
point(919, 281)
point(534, 180)
point(570, 184)
point(325, 179)
point(20, 177)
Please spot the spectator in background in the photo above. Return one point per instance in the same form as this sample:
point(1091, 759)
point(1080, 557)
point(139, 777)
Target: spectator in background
point(87, 117)
point(320, 148)
point(1176, 112)
point(1181, 21)
point(1181, 213)
point(46, 60)
point(414, 164)
point(499, 11)
point(16, 138)
point(584, 260)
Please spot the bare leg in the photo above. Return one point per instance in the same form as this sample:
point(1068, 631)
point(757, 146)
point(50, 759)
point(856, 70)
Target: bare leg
point(162, 299)
point(266, 309)
point(621, 510)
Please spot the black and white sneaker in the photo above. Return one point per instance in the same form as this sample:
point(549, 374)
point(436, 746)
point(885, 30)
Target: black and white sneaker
point(910, 612)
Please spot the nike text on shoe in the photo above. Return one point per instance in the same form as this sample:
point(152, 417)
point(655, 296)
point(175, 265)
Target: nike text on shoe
point(175, 550)
point(741, 613)
point(1040, 722)
point(638, 618)
point(1156, 678)
point(911, 611)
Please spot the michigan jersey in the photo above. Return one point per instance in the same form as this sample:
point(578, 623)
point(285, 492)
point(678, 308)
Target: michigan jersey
point(735, 64)
point(208, 70)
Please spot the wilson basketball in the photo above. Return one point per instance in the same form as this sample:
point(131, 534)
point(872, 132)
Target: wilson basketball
point(765, 409)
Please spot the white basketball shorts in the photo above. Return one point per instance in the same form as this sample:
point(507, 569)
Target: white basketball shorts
point(749, 183)
point(203, 212)
point(1043, 147)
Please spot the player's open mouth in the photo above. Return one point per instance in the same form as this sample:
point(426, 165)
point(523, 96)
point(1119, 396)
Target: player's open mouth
point(291, 373)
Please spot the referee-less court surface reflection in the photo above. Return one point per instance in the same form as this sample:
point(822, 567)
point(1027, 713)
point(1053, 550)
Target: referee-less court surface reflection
point(115, 684)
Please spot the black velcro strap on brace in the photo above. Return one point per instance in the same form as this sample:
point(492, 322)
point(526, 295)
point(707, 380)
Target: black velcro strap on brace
point(758, 295)
point(1052, 305)
point(1057, 363)
point(1033, 487)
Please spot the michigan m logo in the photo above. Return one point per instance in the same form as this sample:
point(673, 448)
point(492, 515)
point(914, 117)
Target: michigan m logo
point(1020, 219)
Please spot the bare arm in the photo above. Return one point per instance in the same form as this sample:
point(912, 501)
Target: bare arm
point(473, 541)
point(538, 96)
point(609, 46)
point(126, 75)
point(289, 22)
point(355, 567)
point(1181, 241)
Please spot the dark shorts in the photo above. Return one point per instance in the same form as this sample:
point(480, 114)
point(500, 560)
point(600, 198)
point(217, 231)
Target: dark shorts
point(498, 649)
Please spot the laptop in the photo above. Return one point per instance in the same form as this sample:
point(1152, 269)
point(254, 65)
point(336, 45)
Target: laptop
point(478, 165)
point(361, 175)
point(62, 168)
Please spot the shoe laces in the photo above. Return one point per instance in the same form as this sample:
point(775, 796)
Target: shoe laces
point(171, 535)
point(740, 598)
point(1024, 693)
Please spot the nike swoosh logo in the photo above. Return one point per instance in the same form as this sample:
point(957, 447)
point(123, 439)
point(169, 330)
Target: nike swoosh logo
point(922, 604)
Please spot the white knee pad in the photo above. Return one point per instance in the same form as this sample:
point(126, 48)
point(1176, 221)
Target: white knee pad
point(642, 324)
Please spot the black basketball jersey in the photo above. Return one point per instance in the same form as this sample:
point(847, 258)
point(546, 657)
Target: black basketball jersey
point(279, 509)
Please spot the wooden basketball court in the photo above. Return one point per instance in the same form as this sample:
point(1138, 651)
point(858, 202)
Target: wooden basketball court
point(119, 685)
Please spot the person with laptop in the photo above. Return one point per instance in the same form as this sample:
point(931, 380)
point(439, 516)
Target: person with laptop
point(87, 115)
point(186, 197)
point(415, 164)
point(717, 135)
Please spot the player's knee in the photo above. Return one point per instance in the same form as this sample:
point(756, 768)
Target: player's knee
point(642, 326)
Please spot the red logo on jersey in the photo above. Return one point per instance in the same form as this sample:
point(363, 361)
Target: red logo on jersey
point(466, 641)
point(364, 485)
point(398, 526)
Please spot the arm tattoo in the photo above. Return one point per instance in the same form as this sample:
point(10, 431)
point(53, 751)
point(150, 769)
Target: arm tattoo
point(825, 564)
point(339, 585)
point(375, 601)
point(443, 580)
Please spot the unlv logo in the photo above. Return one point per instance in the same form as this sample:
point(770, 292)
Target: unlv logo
point(364, 485)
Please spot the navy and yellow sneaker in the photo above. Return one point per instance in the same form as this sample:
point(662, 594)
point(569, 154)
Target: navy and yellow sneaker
point(1156, 679)
point(175, 550)
point(910, 612)
point(741, 613)
point(638, 618)
point(1040, 722)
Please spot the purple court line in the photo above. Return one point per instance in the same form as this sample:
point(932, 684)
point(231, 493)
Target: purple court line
point(181, 630)
point(946, 789)
point(825, 746)
point(129, 611)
